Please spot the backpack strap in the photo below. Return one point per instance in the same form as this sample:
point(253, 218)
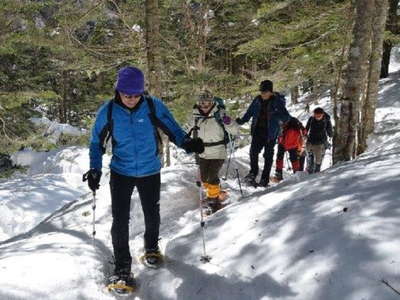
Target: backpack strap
point(157, 123)
point(217, 116)
point(107, 131)
point(154, 121)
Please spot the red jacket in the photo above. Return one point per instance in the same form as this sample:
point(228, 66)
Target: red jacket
point(292, 135)
point(291, 139)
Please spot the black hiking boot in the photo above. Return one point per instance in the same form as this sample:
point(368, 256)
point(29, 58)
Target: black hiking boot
point(264, 182)
point(250, 179)
point(122, 282)
point(153, 258)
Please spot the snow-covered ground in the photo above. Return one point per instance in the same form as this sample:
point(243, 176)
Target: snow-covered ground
point(326, 236)
point(54, 130)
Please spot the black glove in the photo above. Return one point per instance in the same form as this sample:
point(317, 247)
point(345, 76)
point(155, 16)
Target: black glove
point(193, 145)
point(239, 121)
point(93, 177)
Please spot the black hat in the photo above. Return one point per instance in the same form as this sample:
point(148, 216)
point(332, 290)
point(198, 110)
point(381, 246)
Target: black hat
point(266, 86)
point(319, 111)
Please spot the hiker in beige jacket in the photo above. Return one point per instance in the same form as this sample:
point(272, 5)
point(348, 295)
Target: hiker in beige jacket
point(213, 126)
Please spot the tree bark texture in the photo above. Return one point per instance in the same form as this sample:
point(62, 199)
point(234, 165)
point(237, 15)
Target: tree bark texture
point(152, 46)
point(355, 79)
point(371, 99)
point(154, 65)
point(294, 92)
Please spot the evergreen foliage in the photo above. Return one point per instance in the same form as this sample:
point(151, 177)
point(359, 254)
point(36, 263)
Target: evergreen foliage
point(59, 58)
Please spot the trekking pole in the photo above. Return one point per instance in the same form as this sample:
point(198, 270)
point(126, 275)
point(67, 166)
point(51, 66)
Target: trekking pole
point(289, 167)
point(236, 169)
point(229, 159)
point(94, 219)
point(204, 258)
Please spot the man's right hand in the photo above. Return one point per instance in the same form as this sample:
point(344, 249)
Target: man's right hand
point(93, 177)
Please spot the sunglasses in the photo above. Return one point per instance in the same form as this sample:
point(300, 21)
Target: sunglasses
point(130, 96)
point(205, 103)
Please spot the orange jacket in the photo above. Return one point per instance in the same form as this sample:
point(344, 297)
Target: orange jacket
point(291, 139)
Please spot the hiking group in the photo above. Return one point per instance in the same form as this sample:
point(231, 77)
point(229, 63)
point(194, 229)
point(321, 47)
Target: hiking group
point(132, 120)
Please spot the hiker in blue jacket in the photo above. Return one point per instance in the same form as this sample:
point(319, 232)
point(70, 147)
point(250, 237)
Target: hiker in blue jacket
point(131, 120)
point(268, 113)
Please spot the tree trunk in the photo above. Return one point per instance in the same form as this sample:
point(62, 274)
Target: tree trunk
point(152, 46)
point(387, 49)
point(355, 77)
point(339, 84)
point(369, 107)
point(294, 92)
point(391, 25)
point(64, 95)
point(154, 64)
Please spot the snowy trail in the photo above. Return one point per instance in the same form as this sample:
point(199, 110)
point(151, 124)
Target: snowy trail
point(68, 231)
point(327, 236)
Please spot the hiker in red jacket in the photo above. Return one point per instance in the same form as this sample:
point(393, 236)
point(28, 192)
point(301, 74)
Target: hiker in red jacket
point(292, 141)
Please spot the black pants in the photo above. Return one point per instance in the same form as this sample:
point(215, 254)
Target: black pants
point(121, 191)
point(281, 153)
point(257, 144)
point(209, 170)
point(302, 161)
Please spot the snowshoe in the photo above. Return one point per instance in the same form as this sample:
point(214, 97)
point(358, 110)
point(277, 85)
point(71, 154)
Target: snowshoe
point(152, 259)
point(206, 209)
point(250, 179)
point(215, 204)
point(264, 182)
point(223, 195)
point(122, 284)
point(276, 179)
point(278, 176)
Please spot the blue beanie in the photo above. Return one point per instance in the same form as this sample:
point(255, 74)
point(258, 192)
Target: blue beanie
point(130, 81)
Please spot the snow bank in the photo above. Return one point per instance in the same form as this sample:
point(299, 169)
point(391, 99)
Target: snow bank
point(53, 179)
point(54, 130)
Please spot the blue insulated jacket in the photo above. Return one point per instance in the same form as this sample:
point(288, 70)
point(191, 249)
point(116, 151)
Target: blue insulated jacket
point(278, 115)
point(135, 150)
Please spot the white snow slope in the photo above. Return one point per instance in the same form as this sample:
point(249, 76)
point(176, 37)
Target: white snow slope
point(333, 235)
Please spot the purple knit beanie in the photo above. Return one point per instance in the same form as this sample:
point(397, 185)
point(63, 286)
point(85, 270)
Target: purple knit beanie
point(130, 81)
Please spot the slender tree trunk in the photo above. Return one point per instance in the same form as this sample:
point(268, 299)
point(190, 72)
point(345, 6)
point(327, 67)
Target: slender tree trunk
point(64, 95)
point(354, 82)
point(152, 46)
point(154, 64)
point(391, 25)
point(387, 50)
point(369, 107)
point(202, 37)
point(294, 92)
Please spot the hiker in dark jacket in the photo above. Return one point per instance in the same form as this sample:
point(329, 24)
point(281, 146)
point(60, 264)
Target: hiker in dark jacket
point(267, 112)
point(319, 128)
point(131, 119)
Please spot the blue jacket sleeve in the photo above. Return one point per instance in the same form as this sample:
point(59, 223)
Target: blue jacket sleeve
point(249, 113)
point(95, 150)
point(168, 124)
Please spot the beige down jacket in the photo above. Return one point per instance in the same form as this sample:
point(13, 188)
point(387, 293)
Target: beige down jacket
point(210, 131)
